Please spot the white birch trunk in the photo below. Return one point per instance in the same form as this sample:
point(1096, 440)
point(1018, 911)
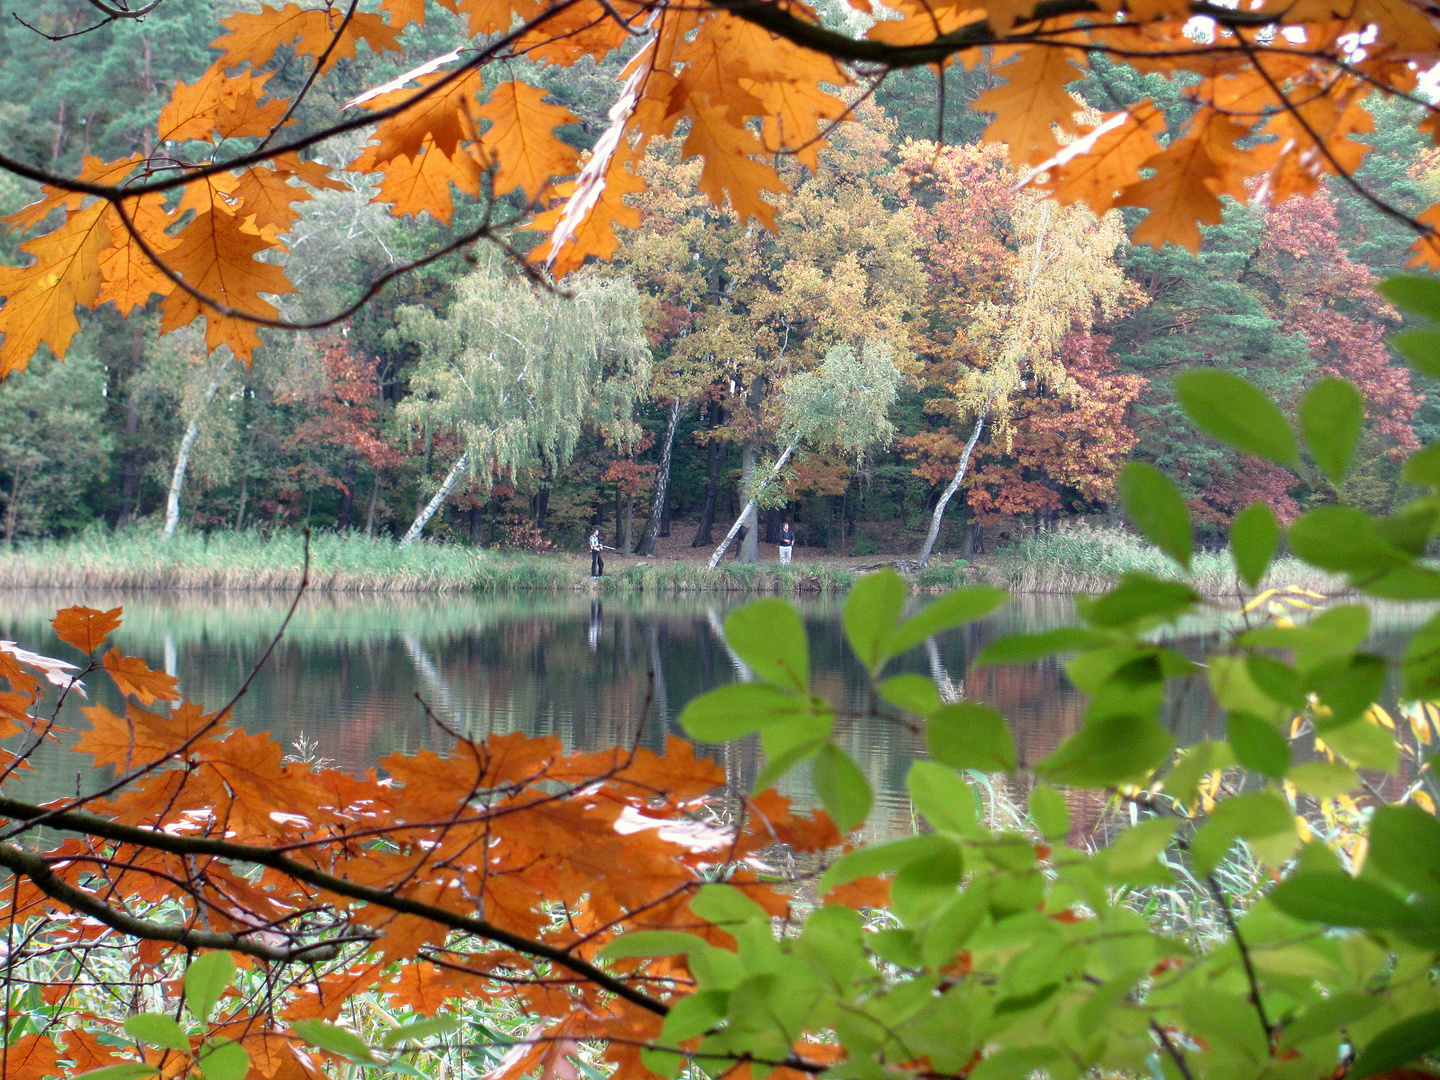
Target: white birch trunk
point(749, 506)
point(423, 518)
point(954, 485)
point(182, 457)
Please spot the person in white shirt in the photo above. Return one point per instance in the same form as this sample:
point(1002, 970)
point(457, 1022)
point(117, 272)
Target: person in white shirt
point(597, 560)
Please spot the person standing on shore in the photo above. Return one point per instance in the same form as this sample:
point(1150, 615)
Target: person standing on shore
point(787, 542)
point(597, 560)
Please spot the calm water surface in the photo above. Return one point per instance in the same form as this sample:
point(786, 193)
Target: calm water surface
point(345, 677)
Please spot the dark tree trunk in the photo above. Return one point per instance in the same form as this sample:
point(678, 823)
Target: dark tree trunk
point(370, 514)
point(772, 524)
point(130, 449)
point(477, 524)
point(347, 496)
point(714, 459)
point(542, 506)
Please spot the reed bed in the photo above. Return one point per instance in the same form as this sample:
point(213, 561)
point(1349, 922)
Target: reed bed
point(1079, 558)
point(729, 577)
point(138, 558)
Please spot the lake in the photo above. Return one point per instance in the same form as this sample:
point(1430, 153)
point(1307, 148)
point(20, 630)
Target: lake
point(344, 679)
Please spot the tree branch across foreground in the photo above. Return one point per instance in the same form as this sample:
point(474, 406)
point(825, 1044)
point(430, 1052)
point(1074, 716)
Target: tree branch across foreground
point(35, 868)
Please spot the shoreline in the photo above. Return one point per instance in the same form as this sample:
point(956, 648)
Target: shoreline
point(135, 560)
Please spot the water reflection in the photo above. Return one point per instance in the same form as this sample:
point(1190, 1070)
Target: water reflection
point(355, 675)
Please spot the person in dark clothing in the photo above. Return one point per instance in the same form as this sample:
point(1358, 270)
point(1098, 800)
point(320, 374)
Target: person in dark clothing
point(597, 560)
point(787, 542)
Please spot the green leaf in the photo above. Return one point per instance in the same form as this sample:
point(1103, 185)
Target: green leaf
point(225, 1060)
point(1405, 847)
point(1421, 663)
point(1050, 812)
point(124, 1071)
point(954, 923)
point(842, 787)
point(913, 693)
point(946, 800)
point(1135, 850)
point(1364, 745)
point(1257, 817)
point(1258, 746)
point(157, 1030)
point(1197, 762)
point(1138, 601)
point(1348, 686)
point(1014, 1063)
point(1254, 539)
point(884, 858)
point(1398, 1045)
point(1234, 411)
point(778, 763)
point(1323, 779)
point(1421, 349)
point(951, 610)
point(725, 905)
point(923, 886)
point(205, 980)
point(1023, 648)
point(694, 1014)
point(1107, 752)
point(871, 612)
point(1158, 510)
point(335, 1040)
point(769, 636)
point(1337, 899)
point(1345, 539)
point(968, 735)
point(732, 712)
point(650, 943)
point(1332, 412)
point(423, 1029)
point(1416, 293)
point(1423, 466)
point(1329, 1015)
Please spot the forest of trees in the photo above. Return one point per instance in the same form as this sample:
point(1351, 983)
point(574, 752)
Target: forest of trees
point(678, 371)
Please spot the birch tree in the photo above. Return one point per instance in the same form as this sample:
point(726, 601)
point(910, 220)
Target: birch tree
point(516, 374)
point(211, 377)
point(1063, 273)
point(843, 405)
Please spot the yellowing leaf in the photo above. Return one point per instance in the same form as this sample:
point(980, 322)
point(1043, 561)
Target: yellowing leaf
point(1032, 103)
point(221, 104)
point(268, 199)
point(521, 140)
point(729, 168)
point(422, 184)
point(215, 255)
point(255, 36)
point(1112, 162)
point(132, 676)
point(593, 232)
point(40, 299)
point(85, 628)
point(445, 116)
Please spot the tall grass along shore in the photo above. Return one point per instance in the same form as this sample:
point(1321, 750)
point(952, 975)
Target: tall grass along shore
point(1075, 559)
point(1080, 558)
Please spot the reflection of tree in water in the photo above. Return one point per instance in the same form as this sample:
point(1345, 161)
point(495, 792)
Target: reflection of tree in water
point(574, 667)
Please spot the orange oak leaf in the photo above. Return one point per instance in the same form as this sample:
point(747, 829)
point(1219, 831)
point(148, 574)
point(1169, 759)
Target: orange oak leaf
point(1108, 159)
point(315, 174)
point(215, 255)
point(133, 676)
point(403, 12)
point(487, 16)
point(1426, 250)
point(131, 276)
point(1189, 175)
point(93, 170)
point(1033, 103)
point(216, 103)
point(445, 116)
point(715, 63)
point(413, 185)
point(85, 628)
point(255, 36)
point(40, 299)
point(521, 142)
point(594, 230)
point(267, 198)
point(922, 22)
point(141, 737)
point(573, 30)
point(729, 167)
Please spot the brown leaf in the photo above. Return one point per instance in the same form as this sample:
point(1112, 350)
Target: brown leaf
point(85, 628)
point(134, 677)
